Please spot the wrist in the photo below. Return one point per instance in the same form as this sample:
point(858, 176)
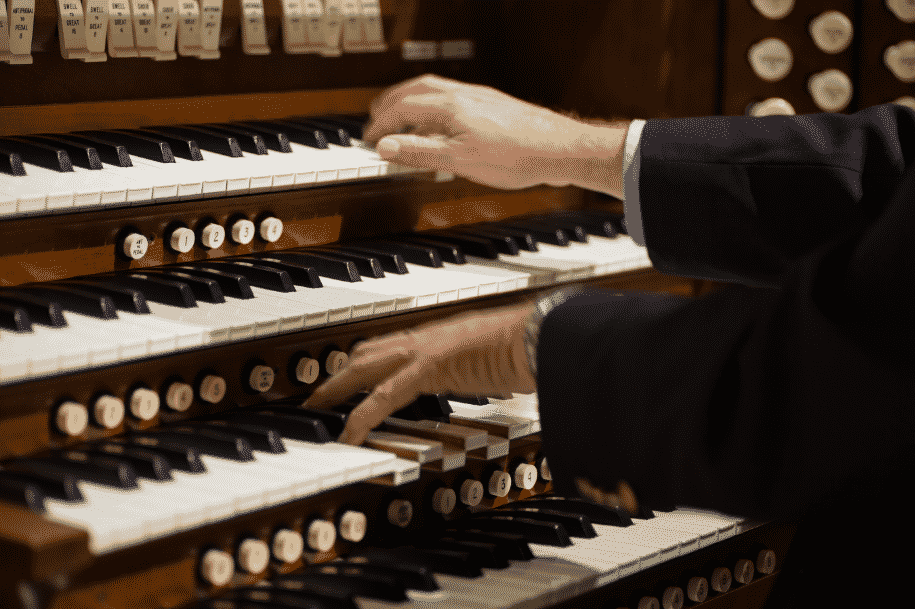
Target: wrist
point(596, 159)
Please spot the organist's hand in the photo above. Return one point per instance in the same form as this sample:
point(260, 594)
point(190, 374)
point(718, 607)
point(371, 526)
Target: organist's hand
point(469, 354)
point(481, 134)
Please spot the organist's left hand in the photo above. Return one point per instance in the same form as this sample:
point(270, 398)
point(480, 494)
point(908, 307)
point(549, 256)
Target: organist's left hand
point(469, 354)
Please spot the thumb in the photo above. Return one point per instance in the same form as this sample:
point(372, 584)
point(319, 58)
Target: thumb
point(423, 152)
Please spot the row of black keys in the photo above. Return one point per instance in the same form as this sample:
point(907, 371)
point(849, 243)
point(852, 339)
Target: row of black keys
point(211, 280)
point(89, 149)
point(461, 548)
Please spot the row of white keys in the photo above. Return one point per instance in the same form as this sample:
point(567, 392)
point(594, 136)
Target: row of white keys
point(607, 255)
point(116, 518)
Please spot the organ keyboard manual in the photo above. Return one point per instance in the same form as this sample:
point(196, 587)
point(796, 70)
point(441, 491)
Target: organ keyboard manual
point(195, 234)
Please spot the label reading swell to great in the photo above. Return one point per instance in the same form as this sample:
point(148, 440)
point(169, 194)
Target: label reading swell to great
point(96, 16)
point(71, 29)
point(120, 29)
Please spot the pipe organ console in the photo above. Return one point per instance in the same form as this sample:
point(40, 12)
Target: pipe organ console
point(195, 236)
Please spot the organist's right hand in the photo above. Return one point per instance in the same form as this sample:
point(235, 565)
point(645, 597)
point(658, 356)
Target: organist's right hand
point(470, 354)
point(492, 138)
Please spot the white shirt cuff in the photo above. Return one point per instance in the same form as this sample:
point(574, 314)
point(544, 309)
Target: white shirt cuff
point(631, 164)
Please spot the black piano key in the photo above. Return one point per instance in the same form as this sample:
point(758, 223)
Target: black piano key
point(333, 421)
point(360, 582)
point(368, 265)
point(58, 486)
point(231, 284)
point(124, 299)
point(488, 555)
point(412, 576)
point(597, 513)
point(452, 562)
point(14, 318)
point(204, 289)
point(334, 134)
point(26, 494)
point(154, 287)
point(248, 141)
point(536, 531)
point(41, 310)
point(184, 458)
point(391, 262)
point(448, 252)
point(146, 464)
point(353, 125)
point(325, 266)
point(298, 595)
point(618, 219)
point(81, 466)
point(415, 254)
point(427, 406)
point(75, 299)
point(261, 437)
point(302, 275)
point(591, 225)
point(43, 155)
point(11, 162)
point(294, 428)
point(513, 545)
point(573, 229)
point(541, 232)
point(212, 141)
point(260, 276)
point(81, 155)
point(577, 525)
point(522, 239)
point(108, 151)
point(301, 134)
point(465, 399)
point(182, 146)
point(472, 244)
point(273, 139)
point(154, 149)
point(204, 441)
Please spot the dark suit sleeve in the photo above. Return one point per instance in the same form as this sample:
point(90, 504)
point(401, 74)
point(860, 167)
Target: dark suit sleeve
point(740, 198)
point(764, 402)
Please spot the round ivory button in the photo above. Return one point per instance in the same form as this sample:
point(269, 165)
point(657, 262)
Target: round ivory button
point(765, 561)
point(499, 484)
point(271, 229)
point(335, 362)
point(831, 90)
point(721, 579)
point(307, 370)
point(108, 411)
point(216, 567)
point(321, 535)
point(771, 59)
point(182, 240)
point(649, 602)
point(135, 246)
point(179, 396)
point(71, 418)
point(261, 378)
point(212, 236)
point(773, 9)
point(212, 389)
point(144, 403)
point(900, 59)
point(744, 571)
point(243, 232)
point(253, 556)
point(287, 545)
point(471, 492)
point(906, 100)
point(903, 9)
point(444, 501)
point(771, 106)
point(697, 589)
point(400, 512)
point(525, 476)
point(831, 32)
point(353, 525)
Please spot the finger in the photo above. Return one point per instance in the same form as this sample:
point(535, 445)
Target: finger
point(426, 111)
point(433, 152)
point(361, 372)
point(387, 398)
